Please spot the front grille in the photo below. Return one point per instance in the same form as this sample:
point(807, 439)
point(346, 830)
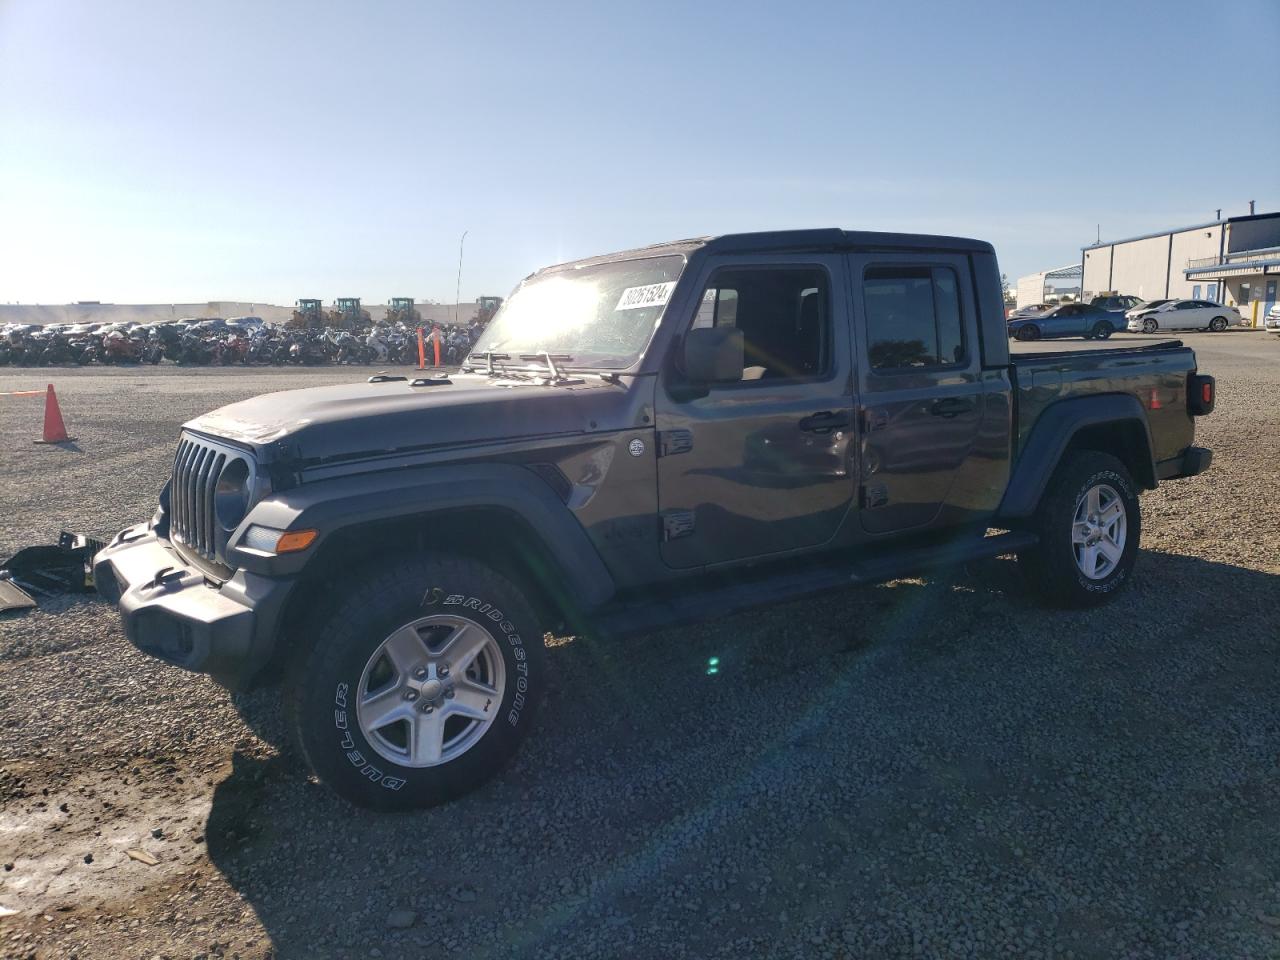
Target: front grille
point(191, 518)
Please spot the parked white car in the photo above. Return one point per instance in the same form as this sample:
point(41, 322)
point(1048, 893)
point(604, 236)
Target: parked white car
point(1150, 306)
point(1272, 320)
point(1034, 310)
point(1186, 315)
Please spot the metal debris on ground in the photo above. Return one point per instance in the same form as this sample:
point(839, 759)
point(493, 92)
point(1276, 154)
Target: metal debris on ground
point(13, 597)
point(46, 569)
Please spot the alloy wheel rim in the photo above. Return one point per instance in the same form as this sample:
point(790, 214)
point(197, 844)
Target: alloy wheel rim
point(431, 690)
point(1099, 530)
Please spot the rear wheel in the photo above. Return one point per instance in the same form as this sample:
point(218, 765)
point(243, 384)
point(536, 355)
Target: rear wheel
point(419, 686)
point(1218, 324)
point(1149, 326)
point(1102, 330)
point(1089, 526)
point(1028, 333)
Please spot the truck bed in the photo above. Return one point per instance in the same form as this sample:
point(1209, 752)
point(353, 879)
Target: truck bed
point(1154, 373)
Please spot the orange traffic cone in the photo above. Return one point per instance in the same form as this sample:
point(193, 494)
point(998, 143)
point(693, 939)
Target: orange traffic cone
point(55, 431)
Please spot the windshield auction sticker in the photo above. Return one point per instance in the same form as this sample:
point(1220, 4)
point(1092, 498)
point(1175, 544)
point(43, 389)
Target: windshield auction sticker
point(652, 295)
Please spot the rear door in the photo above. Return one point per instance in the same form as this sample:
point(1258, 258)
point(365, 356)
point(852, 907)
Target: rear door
point(921, 395)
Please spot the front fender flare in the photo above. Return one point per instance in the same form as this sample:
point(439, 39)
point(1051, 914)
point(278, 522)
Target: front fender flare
point(330, 506)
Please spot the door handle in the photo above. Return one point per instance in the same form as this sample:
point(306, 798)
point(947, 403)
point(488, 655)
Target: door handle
point(825, 422)
point(950, 407)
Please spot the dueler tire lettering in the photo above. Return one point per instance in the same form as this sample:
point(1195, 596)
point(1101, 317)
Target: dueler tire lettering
point(1050, 567)
point(323, 680)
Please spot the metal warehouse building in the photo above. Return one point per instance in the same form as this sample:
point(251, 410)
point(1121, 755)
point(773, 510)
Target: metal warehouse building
point(1235, 261)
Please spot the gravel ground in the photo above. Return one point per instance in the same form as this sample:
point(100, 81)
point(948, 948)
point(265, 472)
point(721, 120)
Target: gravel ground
point(926, 768)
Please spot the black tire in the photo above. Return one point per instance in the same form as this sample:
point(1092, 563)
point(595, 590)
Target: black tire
point(1218, 324)
point(1028, 333)
point(1149, 325)
point(1051, 566)
point(324, 681)
point(1102, 330)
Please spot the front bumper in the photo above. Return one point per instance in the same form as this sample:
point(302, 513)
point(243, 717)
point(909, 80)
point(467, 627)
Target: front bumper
point(173, 611)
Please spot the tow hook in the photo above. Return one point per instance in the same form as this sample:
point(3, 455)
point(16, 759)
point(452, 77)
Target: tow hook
point(128, 535)
point(164, 576)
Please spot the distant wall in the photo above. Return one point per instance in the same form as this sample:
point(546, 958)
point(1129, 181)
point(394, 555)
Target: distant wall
point(150, 312)
point(142, 312)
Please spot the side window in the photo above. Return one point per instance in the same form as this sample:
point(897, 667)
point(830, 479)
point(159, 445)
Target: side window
point(913, 317)
point(784, 315)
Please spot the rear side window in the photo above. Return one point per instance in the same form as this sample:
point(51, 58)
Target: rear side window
point(913, 317)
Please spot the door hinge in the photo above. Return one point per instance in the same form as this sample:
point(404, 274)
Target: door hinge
point(873, 418)
point(671, 442)
point(875, 495)
point(677, 524)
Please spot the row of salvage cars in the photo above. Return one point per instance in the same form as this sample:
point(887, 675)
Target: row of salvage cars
point(1098, 320)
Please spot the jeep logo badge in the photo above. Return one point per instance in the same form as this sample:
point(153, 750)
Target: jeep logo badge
point(636, 447)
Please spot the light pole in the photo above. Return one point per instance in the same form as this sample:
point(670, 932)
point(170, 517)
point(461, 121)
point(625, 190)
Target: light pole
point(457, 291)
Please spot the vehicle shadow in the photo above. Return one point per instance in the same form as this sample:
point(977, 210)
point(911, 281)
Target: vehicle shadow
point(935, 756)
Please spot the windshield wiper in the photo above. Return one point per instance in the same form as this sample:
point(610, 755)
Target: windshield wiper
point(489, 357)
point(550, 360)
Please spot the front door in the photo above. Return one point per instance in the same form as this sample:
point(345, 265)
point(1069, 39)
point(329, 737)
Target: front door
point(922, 395)
point(1190, 315)
point(1073, 320)
point(761, 465)
point(1269, 301)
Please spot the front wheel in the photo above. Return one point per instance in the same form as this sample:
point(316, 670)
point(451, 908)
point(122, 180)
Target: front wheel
point(1218, 324)
point(1149, 326)
point(419, 686)
point(1101, 330)
point(1028, 333)
point(1089, 524)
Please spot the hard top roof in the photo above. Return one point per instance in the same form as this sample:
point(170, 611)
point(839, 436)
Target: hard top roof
point(786, 241)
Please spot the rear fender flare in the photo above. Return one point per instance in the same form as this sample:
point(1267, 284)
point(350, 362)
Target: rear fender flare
point(1052, 435)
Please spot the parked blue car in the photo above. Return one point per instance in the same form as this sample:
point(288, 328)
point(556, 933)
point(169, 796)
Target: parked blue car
point(1066, 320)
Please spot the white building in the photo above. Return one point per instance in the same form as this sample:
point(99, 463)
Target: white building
point(1049, 285)
point(1235, 261)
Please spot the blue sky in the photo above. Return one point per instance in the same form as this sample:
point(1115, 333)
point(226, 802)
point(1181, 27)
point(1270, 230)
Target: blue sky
point(174, 152)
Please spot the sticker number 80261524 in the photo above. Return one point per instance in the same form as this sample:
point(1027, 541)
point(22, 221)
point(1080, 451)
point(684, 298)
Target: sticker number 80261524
point(650, 295)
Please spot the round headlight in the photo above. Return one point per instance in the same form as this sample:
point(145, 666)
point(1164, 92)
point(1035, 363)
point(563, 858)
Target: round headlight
point(231, 494)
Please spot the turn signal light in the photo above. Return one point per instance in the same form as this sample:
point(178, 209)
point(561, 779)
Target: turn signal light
point(296, 540)
point(1202, 390)
point(270, 541)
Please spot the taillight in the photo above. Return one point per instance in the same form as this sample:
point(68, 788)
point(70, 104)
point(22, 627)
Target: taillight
point(1201, 394)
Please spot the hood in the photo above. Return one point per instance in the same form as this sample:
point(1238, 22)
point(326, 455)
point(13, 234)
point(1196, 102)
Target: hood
point(359, 420)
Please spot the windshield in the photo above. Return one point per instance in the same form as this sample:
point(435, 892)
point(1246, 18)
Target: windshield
point(599, 316)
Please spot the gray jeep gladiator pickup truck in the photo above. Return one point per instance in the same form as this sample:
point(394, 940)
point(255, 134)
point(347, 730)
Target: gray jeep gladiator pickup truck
point(636, 440)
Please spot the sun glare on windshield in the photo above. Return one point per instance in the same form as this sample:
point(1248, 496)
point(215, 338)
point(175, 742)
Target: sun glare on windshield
point(601, 315)
point(553, 308)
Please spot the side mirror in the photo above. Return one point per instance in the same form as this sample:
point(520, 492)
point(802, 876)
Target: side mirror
point(713, 355)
